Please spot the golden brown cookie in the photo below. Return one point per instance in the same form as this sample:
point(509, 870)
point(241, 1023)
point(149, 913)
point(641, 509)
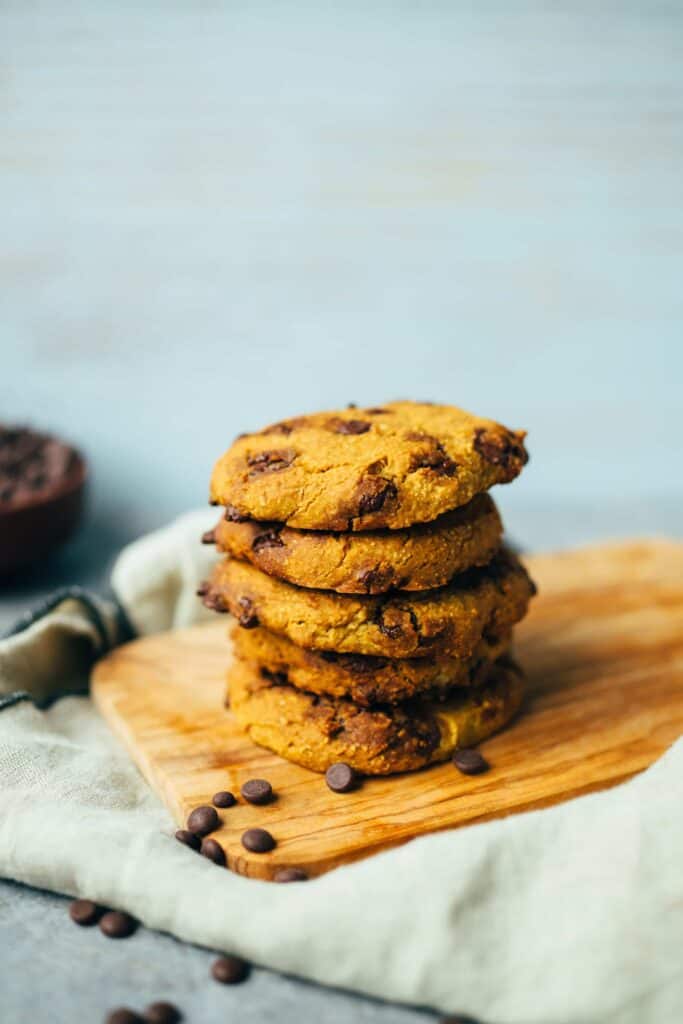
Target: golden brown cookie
point(318, 731)
point(373, 562)
point(365, 469)
point(451, 620)
point(361, 677)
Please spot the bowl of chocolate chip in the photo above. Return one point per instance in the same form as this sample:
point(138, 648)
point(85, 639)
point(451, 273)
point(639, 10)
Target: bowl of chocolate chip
point(42, 487)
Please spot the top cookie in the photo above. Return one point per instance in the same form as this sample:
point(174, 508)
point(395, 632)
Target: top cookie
point(362, 469)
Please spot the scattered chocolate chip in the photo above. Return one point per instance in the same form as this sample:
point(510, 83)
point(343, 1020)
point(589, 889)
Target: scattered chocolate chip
point(223, 799)
point(257, 791)
point(290, 875)
point(270, 461)
point(214, 851)
point(115, 924)
point(470, 762)
point(163, 1013)
point(247, 618)
point(257, 840)
point(209, 537)
point(203, 820)
point(203, 589)
point(188, 838)
point(230, 970)
point(85, 912)
point(124, 1016)
point(341, 778)
point(267, 539)
point(233, 515)
point(374, 492)
point(339, 426)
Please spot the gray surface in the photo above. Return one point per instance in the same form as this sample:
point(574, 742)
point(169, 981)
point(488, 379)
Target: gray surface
point(217, 215)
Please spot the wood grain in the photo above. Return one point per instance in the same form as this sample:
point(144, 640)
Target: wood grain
point(603, 650)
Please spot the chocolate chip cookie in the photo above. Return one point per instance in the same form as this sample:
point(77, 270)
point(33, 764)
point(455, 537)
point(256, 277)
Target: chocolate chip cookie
point(373, 562)
point(319, 731)
point(365, 469)
point(365, 679)
point(450, 620)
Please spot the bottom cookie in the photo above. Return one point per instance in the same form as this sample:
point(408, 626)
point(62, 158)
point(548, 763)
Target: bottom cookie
point(317, 731)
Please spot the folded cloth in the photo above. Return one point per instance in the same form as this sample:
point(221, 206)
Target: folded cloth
point(567, 915)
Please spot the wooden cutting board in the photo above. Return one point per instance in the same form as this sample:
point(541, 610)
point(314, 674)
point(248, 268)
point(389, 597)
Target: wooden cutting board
point(603, 651)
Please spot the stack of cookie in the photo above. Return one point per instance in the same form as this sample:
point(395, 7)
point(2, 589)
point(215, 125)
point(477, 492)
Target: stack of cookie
point(374, 602)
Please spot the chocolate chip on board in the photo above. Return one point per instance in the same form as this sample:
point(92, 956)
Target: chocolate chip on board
point(230, 970)
point(341, 778)
point(213, 851)
point(224, 798)
point(122, 1015)
point(85, 912)
point(116, 924)
point(470, 762)
point(162, 1013)
point(203, 820)
point(257, 791)
point(290, 875)
point(258, 840)
point(187, 838)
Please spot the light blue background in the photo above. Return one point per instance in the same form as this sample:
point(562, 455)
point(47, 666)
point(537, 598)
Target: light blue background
point(215, 215)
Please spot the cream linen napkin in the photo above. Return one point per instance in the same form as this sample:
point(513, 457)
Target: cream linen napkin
point(561, 916)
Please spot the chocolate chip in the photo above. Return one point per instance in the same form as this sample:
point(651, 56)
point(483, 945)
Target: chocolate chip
point(270, 461)
point(341, 778)
point(339, 426)
point(213, 502)
point(233, 515)
point(435, 457)
point(163, 1013)
point(203, 820)
point(374, 492)
point(247, 617)
point(459, 1018)
point(203, 589)
point(115, 924)
point(376, 411)
point(188, 838)
point(470, 762)
point(273, 677)
point(285, 427)
point(257, 791)
point(392, 630)
point(375, 581)
point(214, 851)
point(209, 537)
point(124, 1016)
point(290, 875)
point(223, 799)
point(85, 912)
point(257, 840)
point(500, 448)
point(230, 970)
point(268, 539)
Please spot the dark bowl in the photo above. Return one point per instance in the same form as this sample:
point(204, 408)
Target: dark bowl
point(30, 530)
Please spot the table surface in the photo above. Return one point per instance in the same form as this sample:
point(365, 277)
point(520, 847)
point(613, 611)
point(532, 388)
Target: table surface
point(216, 215)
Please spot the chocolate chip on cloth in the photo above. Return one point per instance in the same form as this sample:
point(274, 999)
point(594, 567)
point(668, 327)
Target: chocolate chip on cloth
point(317, 732)
point(257, 791)
point(366, 679)
point(187, 838)
point(163, 1013)
point(123, 1015)
point(421, 558)
point(396, 465)
point(203, 820)
point(116, 924)
point(452, 620)
point(258, 840)
point(85, 912)
point(230, 970)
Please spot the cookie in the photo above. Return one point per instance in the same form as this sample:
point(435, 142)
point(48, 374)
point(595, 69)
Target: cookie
point(451, 620)
point(373, 562)
point(365, 469)
point(316, 732)
point(361, 677)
